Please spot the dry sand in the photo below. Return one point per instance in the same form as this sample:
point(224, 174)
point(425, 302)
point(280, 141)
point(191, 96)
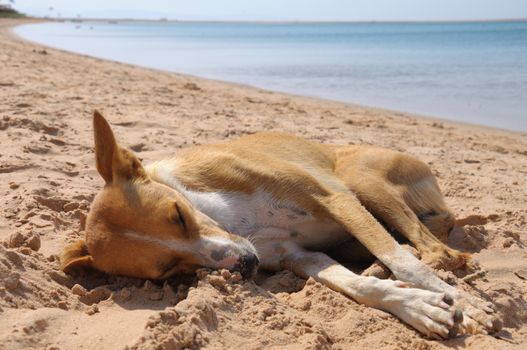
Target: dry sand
point(48, 179)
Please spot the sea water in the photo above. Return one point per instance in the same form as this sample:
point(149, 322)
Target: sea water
point(470, 72)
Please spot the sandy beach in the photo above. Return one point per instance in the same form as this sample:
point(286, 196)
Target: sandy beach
point(48, 180)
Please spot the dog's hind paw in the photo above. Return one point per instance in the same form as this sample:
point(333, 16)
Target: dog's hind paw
point(446, 259)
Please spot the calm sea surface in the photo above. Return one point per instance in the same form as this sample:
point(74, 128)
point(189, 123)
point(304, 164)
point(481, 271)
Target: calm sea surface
point(472, 72)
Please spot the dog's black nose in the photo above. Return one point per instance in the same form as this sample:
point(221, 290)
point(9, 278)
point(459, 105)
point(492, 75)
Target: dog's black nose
point(248, 265)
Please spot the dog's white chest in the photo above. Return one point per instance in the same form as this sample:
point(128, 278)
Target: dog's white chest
point(248, 214)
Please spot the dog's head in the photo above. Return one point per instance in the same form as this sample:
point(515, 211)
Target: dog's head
point(140, 228)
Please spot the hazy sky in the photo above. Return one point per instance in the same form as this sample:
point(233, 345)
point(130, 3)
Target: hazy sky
point(325, 10)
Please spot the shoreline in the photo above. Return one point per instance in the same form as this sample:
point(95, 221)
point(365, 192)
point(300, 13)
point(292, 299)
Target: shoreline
point(48, 180)
point(241, 85)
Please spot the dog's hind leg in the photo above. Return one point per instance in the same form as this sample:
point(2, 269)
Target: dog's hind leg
point(425, 199)
point(402, 192)
point(387, 204)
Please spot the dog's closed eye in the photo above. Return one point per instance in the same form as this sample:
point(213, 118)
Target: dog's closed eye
point(178, 217)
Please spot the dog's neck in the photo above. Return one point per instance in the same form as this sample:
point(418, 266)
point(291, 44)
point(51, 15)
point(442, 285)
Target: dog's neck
point(221, 207)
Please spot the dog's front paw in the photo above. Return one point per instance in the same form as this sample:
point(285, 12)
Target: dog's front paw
point(479, 316)
point(429, 312)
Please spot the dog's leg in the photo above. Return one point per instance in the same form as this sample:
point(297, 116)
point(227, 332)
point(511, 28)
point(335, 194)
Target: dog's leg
point(387, 205)
point(346, 209)
point(427, 311)
point(379, 270)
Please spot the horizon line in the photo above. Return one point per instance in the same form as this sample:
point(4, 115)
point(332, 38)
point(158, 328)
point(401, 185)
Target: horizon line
point(167, 20)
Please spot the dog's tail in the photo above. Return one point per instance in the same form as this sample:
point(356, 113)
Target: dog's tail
point(471, 220)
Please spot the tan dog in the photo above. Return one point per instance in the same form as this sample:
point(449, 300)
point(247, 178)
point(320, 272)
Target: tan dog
point(277, 201)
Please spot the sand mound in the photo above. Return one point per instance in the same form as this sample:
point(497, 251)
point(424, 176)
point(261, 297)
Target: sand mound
point(48, 180)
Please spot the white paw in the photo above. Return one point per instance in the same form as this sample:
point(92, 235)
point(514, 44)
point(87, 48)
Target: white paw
point(429, 312)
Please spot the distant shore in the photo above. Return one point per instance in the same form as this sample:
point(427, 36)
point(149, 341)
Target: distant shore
point(117, 19)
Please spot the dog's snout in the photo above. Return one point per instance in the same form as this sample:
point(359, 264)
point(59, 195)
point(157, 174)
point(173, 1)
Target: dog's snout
point(248, 265)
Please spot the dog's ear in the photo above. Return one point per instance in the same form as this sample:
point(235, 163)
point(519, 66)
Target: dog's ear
point(113, 162)
point(105, 146)
point(76, 258)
